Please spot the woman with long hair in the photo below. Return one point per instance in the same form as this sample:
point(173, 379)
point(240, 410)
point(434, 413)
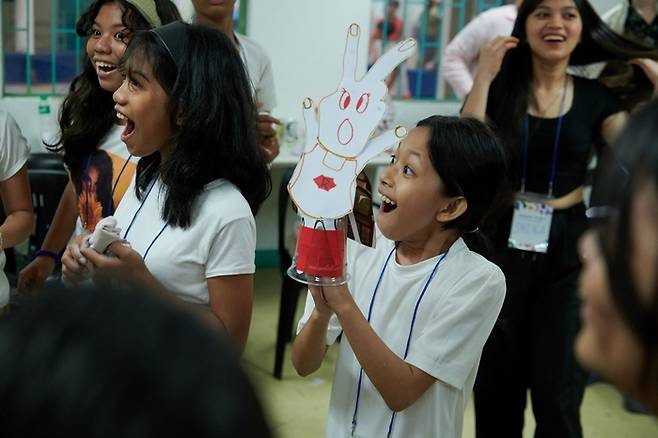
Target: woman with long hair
point(548, 122)
point(189, 114)
point(88, 124)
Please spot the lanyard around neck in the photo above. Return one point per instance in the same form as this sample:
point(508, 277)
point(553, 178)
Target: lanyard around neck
point(137, 214)
point(556, 142)
point(411, 328)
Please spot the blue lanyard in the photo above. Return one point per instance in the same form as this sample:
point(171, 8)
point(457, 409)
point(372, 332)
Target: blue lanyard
point(556, 142)
point(411, 329)
point(135, 217)
point(116, 183)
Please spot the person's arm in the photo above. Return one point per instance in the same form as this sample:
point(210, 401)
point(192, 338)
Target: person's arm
point(231, 296)
point(17, 200)
point(231, 299)
point(613, 125)
point(15, 185)
point(267, 135)
point(127, 265)
point(375, 35)
point(310, 345)
point(399, 383)
point(491, 58)
point(462, 51)
point(650, 68)
point(60, 231)
point(455, 71)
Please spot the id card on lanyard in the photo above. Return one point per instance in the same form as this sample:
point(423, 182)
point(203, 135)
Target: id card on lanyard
point(531, 222)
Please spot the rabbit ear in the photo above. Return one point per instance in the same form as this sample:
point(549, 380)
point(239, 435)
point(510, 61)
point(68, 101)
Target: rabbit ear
point(351, 53)
point(390, 60)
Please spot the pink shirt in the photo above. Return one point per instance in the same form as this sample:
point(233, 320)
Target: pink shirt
point(461, 55)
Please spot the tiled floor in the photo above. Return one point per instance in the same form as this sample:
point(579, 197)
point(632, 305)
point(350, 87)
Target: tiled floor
point(297, 407)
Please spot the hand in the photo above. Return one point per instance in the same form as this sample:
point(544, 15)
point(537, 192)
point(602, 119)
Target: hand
point(270, 147)
point(335, 299)
point(491, 57)
point(74, 265)
point(317, 292)
point(126, 264)
point(650, 68)
point(35, 274)
point(267, 134)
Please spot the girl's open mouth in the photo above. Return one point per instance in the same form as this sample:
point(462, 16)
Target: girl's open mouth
point(388, 204)
point(129, 126)
point(105, 69)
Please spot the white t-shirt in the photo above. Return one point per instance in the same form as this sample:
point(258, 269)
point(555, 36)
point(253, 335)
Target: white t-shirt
point(259, 69)
point(453, 322)
point(14, 152)
point(221, 239)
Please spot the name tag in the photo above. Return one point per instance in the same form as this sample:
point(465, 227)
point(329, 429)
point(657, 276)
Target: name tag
point(531, 226)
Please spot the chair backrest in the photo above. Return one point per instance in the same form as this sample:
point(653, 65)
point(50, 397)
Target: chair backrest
point(45, 161)
point(48, 179)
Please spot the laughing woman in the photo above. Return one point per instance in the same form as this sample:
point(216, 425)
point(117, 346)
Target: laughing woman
point(548, 122)
point(189, 115)
point(99, 166)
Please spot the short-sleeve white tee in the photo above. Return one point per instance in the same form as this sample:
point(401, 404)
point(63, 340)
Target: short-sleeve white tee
point(454, 319)
point(14, 152)
point(259, 70)
point(220, 241)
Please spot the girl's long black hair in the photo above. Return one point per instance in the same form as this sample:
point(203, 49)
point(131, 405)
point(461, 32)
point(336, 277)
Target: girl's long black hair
point(509, 95)
point(212, 110)
point(87, 113)
point(470, 162)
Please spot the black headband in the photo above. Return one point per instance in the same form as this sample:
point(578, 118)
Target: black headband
point(173, 38)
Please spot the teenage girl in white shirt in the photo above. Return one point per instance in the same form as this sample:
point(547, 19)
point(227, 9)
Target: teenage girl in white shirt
point(189, 114)
point(89, 130)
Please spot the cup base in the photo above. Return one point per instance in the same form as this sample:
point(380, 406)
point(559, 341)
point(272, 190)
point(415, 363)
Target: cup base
point(313, 280)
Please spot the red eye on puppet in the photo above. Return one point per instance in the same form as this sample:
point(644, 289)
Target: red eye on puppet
point(344, 100)
point(363, 102)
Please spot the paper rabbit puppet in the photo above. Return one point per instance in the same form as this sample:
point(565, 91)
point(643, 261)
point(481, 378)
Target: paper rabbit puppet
point(338, 143)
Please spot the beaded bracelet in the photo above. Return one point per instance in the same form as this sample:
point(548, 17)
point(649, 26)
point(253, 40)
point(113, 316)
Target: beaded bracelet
point(46, 253)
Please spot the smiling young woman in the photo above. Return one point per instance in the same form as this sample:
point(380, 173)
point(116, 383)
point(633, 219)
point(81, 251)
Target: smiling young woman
point(90, 137)
point(548, 121)
point(188, 213)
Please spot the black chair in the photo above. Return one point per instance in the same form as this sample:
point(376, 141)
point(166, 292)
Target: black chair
point(48, 179)
point(45, 161)
point(289, 287)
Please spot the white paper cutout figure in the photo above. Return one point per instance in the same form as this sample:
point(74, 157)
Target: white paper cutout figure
point(338, 144)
